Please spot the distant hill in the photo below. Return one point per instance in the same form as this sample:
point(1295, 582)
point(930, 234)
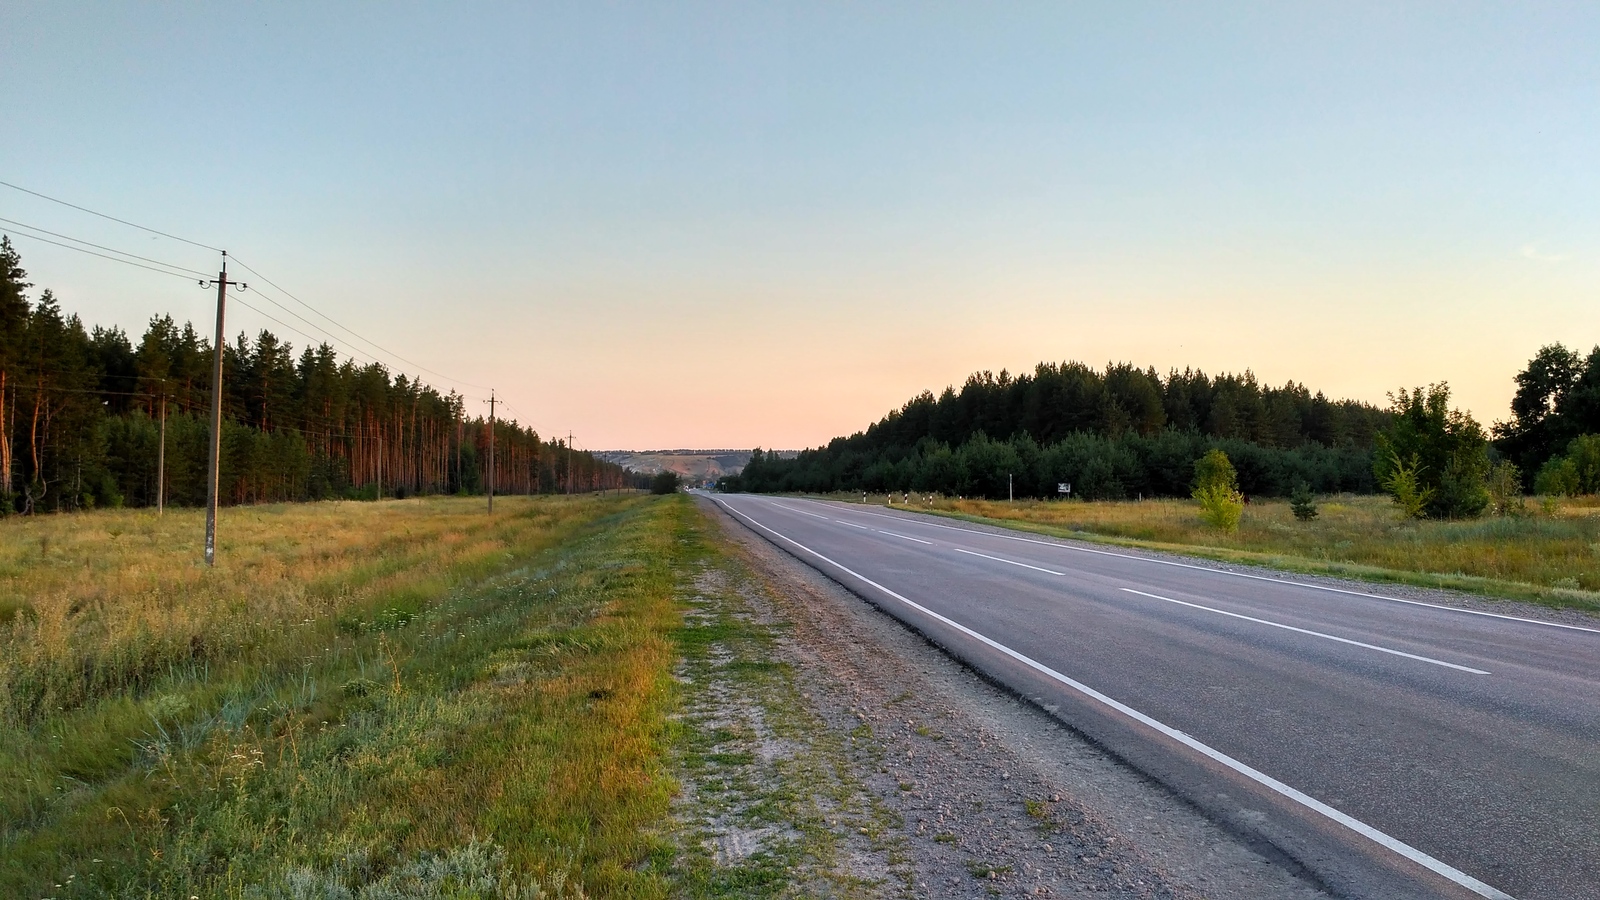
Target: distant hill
point(694, 465)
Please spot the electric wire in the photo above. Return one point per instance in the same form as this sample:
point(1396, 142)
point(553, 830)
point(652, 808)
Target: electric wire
point(102, 215)
point(352, 333)
point(68, 237)
point(326, 338)
point(258, 311)
point(34, 237)
point(182, 269)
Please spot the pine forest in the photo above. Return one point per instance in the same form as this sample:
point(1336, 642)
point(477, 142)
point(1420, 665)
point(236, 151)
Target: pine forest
point(83, 411)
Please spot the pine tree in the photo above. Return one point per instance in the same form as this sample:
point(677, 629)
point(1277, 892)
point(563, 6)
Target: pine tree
point(1303, 502)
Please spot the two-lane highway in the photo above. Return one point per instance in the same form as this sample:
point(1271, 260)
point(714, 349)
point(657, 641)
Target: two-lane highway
point(1392, 748)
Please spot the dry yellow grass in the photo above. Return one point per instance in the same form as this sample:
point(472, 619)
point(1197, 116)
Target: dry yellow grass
point(355, 690)
point(101, 602)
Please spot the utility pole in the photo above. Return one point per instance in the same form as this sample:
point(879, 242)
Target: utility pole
point(569, 462)
point(222, 283)
point(491, 452)
point(1011, 496)
point(161, 461)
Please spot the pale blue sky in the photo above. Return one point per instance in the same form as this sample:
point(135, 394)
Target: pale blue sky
point(741, 224)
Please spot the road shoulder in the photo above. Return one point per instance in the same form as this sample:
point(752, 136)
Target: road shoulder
point(953, 787)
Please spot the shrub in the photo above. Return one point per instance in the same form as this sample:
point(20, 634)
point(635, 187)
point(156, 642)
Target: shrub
point(1576, 472)
point(1584, 452)
point(1215, 469)
point(1402, 481)
point(1558, 477)
point(1505, 490)
point(1220, 507)
point(1303, 502)
point(1217, 491)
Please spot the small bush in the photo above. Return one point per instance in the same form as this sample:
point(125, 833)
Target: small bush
point(1220, 506)
point(1404, 484)
point(1216, 489)
point(1214, 470)
point(1558, 477)
point(1505, 490)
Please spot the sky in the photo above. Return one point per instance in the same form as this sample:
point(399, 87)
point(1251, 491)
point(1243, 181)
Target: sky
point(732, 225)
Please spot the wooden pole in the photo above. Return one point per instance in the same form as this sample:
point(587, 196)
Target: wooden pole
point(212, 475)
point(161, 461)
point(491, 452)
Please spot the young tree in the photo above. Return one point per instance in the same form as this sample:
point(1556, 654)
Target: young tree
point(1216, 489)
point(1403, 481)
point(1505, 490)
point(1444, 449)
point(1303, 503)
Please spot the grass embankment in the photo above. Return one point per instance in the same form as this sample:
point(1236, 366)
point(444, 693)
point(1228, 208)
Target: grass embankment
point(361, 700)
point(1551, 557)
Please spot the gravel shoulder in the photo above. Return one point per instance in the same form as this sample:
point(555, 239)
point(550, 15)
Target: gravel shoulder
point(868, 763)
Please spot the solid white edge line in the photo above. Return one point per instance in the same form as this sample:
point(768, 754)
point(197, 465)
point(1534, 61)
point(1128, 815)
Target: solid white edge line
point(1223, 612)
point(1009, 562)
point(1315, 587)
point(1261, 778)
point(906, 537)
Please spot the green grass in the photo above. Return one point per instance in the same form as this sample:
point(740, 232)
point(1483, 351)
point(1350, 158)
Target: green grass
point(365, 698)
point(772, 805)
point(1550, 557)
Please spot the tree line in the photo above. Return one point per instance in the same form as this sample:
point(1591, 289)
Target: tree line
point(1124, 432)
point(1113, 433)
point(1554, 433)
point(82, 410)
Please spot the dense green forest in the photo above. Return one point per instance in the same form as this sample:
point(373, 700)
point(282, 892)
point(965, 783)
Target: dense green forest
point(1120, 432)
point(1125, 432)
point(81, 420)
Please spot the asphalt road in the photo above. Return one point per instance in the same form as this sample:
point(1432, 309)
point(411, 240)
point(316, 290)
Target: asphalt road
point(1392, 749)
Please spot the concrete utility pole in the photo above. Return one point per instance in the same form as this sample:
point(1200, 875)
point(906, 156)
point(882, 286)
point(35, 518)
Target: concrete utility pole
point(222, 283)
point(1011, 496)
point(569, 462)
point(491, 452)
point(161, 461)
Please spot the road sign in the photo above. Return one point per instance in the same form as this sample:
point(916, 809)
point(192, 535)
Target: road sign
point(1064, 487)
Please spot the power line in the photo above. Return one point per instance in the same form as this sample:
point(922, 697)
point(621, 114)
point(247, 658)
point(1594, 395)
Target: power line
point(347, 347)
point(308, 337)
point(353, 333)
point(68, 237)
point(326, 337)
point(34, 237)
point(111, 218)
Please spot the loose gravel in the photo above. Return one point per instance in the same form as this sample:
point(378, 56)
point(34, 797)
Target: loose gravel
point(965, 789)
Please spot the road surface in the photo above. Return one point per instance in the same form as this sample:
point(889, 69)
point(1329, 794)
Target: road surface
point(1391, 748)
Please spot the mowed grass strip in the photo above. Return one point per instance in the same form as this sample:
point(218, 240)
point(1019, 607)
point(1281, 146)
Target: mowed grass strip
point(1551, 557)
point(395, 699)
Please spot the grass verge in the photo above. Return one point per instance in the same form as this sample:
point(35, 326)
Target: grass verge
point(363, 700)
point(771, 805)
